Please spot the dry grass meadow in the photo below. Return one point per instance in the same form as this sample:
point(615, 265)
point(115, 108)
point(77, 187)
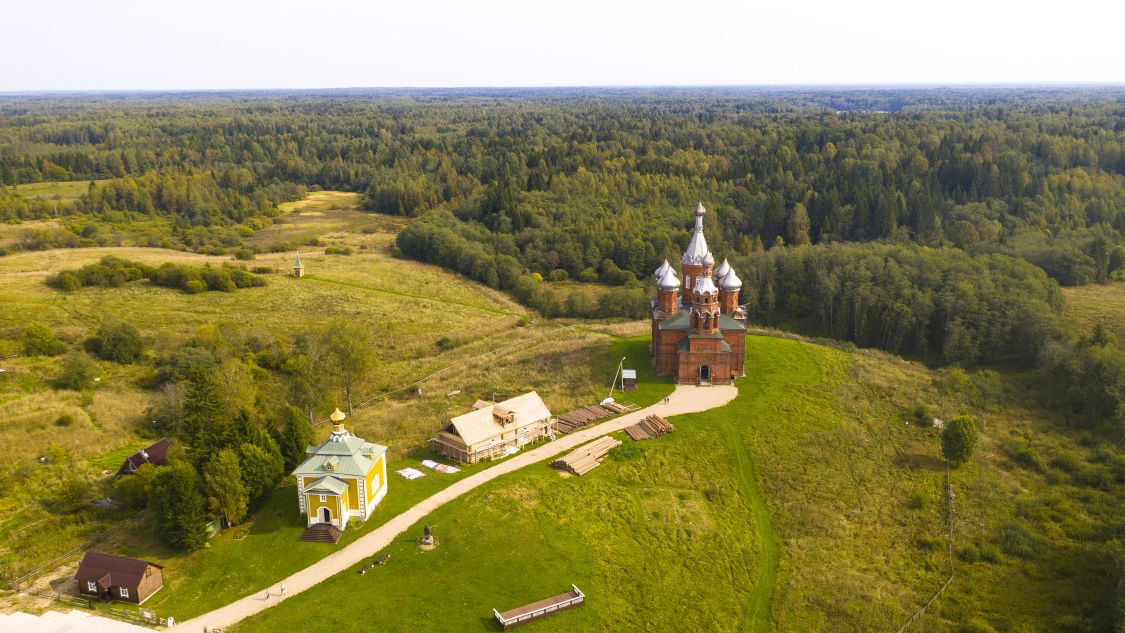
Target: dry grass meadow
point(1096, 303)
point(494, 349)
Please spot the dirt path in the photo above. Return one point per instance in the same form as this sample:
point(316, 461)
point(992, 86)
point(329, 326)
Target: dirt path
point(683, 400)
point(759, 618)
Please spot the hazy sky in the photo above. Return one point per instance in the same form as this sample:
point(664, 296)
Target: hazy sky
point(155, 44)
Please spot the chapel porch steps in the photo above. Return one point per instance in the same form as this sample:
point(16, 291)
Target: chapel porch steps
point(322, 533)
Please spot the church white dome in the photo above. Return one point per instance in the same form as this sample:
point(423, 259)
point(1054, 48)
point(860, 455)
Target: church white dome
point(722, 270)
point(730, 282)
point(669, 281)
point(705, 285)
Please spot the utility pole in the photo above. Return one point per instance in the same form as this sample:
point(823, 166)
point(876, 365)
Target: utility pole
point(620, 367)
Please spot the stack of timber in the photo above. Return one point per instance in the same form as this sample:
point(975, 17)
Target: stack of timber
point(584, 458)
point(617, 407)
point(650, 428)
point(568, 422)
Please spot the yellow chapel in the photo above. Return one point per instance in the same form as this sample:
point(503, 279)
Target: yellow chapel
point(344, 477)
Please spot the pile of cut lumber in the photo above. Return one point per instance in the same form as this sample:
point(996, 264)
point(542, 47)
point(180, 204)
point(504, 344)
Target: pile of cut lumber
point(584, 458)
point(618, 407)
point(650, 428)
point(578, 418)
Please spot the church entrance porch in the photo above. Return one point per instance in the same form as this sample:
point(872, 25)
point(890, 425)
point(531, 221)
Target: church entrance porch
point(704, 373)
point(325, 515)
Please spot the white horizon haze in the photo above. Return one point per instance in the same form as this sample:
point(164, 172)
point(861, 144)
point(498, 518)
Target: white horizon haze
point(111, 45)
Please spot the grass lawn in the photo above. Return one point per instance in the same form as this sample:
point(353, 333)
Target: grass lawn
point(250, 557)
point(265, 550)
point(112, 460)
point(807, 504)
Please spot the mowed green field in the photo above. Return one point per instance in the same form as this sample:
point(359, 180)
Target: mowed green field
point(265, 549)
point(808, 504)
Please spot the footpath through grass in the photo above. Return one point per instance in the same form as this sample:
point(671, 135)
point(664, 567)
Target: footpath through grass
point(258, 554)
point(671, 534)
point(251, 557)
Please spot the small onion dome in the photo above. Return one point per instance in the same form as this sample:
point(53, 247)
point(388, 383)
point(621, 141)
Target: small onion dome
point(659, 274)
point(722, 270)
point(708, 259)
point(704, 285)
point(730, 282)
point(669, 281)
point(337, 416)
point(700, 210)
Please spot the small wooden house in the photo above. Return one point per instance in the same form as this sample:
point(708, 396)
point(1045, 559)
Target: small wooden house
point(154, 454)
point(117, 578)
point(492, 429)
point(628, 379)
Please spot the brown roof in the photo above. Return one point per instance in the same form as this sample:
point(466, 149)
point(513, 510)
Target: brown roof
point(112, 571)
point(153, 454)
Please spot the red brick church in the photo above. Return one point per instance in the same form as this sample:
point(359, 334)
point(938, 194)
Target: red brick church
point(698, 328)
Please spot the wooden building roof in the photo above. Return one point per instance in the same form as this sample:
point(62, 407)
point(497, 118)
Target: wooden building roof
point(493, 419)
point(112, 571)
point(154, 454)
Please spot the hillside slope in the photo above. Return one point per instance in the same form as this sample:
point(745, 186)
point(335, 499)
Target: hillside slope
point(669, 535)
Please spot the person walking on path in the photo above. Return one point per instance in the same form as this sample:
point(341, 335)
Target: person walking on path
point(283, 589)
point(267, 595)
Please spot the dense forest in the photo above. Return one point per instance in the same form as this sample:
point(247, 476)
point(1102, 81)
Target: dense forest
point(957, 188)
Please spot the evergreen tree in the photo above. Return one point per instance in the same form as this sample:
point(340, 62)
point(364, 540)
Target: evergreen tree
point(178, 507)
point(799, 226)
point(296, 434)
point(206, 422)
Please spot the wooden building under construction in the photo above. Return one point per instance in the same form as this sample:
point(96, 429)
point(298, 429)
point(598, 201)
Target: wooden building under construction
point(492, 429)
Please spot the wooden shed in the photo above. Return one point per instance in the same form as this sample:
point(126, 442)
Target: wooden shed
point(628, 379)
point(117, 578)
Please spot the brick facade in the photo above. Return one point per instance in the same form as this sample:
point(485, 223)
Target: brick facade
point(698, 330)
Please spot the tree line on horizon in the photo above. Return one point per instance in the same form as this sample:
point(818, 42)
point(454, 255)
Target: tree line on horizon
point(523, 189)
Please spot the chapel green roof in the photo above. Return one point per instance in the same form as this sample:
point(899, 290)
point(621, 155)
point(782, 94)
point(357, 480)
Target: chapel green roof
point(327, 484)
point(351, 455)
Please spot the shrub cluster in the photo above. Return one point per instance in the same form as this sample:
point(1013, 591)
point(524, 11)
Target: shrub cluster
point(112, 272)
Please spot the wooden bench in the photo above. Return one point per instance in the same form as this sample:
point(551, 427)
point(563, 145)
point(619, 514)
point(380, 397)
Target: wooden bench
point(536, 610)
